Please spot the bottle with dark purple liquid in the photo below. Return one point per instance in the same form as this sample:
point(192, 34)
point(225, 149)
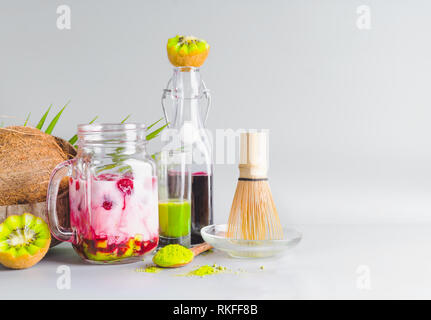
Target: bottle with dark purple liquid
point(202, 206)
point(186, 132)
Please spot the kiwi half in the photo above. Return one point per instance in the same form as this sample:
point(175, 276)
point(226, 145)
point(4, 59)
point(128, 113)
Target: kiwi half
point(187, 51)
point(24, 241)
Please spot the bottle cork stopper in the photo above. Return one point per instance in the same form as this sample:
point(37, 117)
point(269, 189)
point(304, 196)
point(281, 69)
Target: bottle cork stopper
point(253, 155)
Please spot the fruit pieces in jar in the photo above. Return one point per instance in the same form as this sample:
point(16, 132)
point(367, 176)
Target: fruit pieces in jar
point(121, 220)
point(99, 250)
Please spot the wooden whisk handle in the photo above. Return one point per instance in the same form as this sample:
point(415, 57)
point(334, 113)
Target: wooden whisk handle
point(253, 155)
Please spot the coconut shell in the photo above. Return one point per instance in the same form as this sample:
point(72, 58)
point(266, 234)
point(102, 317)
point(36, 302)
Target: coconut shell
point(27, 158)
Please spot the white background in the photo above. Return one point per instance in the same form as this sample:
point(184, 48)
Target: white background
point(348, 109)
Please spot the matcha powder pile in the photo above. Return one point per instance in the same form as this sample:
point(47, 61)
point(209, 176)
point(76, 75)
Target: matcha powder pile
point(171, 255)
point(206, 271)
point(175, 254)
point(202, 271)
point(152, 269)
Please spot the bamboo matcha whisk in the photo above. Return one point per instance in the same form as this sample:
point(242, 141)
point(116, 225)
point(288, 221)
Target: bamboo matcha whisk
point(253, 215)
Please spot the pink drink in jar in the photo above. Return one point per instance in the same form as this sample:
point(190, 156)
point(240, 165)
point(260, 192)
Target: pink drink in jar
point(120, 222)
point(112, 195)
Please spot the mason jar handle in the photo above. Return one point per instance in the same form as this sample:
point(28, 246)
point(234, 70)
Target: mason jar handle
point(59, 232)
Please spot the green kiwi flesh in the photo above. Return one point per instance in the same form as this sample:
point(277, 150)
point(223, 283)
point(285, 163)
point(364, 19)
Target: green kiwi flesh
point(22, 235)
point(187, 44)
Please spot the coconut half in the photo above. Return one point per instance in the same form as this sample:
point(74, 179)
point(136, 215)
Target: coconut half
point(27, 158)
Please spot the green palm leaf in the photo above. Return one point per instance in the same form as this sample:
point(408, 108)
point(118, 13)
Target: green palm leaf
point(152, 125)
point(155, 133)
point(54, 121)
point(26, 120)
point(126, 118)
point(42, 120)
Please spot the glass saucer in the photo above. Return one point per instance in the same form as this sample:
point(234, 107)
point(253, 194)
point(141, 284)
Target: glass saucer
point(215, 235)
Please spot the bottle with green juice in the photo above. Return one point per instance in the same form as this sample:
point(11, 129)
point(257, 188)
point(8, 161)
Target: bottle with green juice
point(174, 181)
point(174, 219)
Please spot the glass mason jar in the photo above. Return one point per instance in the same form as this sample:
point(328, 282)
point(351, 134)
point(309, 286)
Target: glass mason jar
point(187, 116)
point(112, 193)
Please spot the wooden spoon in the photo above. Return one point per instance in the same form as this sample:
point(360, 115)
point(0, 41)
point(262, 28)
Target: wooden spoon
point(197, 250)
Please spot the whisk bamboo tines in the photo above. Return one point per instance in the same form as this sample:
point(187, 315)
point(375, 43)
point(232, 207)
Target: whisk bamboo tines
point(253, 215)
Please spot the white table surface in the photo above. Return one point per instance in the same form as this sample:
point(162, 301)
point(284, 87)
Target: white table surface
point(352, 262)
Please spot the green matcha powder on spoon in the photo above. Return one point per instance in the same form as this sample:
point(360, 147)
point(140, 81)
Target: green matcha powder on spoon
point(175, 255)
